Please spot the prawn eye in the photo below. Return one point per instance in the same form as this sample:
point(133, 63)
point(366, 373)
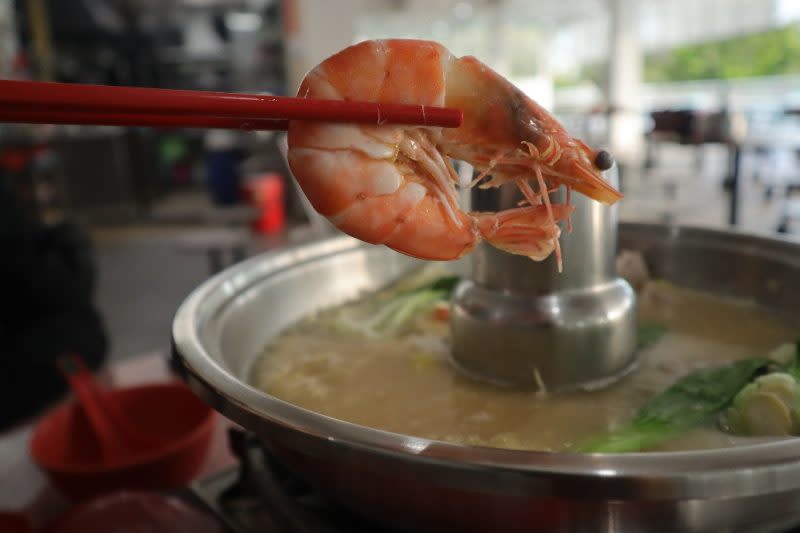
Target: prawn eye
point(603, 160)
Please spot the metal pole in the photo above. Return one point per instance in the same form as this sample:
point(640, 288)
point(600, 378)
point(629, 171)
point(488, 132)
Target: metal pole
point(40, 30)
point(735, 158)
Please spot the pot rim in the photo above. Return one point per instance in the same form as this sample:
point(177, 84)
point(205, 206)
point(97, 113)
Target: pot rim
point(730, 472)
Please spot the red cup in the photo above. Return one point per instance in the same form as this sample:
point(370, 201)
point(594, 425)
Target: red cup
point(266, 193)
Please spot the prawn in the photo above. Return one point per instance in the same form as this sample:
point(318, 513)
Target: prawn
point(395, 185)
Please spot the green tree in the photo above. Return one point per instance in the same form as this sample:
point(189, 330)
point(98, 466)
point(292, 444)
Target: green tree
point(770, 53)
point(767, 53)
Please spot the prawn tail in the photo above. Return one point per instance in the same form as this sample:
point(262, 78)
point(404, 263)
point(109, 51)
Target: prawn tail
point(524, 231)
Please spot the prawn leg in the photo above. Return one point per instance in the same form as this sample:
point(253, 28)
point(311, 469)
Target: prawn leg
point(523, 230)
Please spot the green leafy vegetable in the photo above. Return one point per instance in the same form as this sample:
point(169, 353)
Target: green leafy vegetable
point(793, 366)
point(445, 284)
point(702, 393)
point(400, 311)
point(647, 334)
point(396, 313)
point(689, 402)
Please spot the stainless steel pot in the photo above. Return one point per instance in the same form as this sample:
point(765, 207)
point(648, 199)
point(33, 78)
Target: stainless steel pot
point(415, 484)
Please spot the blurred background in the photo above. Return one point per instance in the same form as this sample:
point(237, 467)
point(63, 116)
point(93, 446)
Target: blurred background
point(699, 100)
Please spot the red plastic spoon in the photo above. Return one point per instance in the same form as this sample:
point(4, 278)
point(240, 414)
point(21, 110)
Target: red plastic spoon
point(119, 438)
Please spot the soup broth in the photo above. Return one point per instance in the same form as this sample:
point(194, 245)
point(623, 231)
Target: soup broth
point(404, 382)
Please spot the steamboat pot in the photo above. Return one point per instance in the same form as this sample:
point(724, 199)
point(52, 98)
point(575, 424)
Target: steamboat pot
point(414, 484)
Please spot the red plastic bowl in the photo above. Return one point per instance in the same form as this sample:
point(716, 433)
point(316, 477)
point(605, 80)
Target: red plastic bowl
point(65, 447)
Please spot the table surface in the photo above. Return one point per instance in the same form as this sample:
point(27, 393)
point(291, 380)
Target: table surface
point(30, 494)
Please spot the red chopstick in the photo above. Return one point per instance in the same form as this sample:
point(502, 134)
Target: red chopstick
point(88, 104)
point(153, 121)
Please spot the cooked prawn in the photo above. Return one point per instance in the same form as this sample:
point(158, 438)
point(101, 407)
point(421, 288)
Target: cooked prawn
point(395, 185)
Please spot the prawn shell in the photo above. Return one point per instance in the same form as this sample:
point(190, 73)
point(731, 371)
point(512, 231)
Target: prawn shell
point(430, 237)
point(390, 184)
point(335, 180)
point(400, 71)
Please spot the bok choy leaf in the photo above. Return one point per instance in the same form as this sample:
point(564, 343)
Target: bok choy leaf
point(691, 401)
